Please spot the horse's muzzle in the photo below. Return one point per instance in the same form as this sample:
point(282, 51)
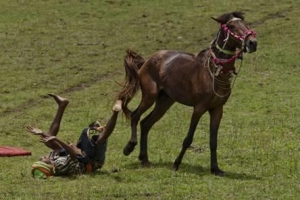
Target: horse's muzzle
point(251, 45)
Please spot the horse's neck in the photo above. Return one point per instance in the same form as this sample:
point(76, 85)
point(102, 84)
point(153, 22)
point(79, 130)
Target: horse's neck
point(202, 53)
point(222, 71)
point(225, 54)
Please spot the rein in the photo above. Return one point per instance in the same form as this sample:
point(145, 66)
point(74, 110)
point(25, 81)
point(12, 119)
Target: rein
point(223, 82)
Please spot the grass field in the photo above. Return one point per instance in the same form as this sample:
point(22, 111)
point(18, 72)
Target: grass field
point(75, 48)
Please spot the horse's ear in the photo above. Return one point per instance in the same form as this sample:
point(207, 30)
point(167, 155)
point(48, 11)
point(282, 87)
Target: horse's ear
point(217, 20)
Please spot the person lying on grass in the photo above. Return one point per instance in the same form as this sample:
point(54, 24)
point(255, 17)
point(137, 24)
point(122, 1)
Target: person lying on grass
point(86, 156)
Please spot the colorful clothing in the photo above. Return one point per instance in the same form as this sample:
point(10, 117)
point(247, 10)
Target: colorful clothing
point(64, 165)
point(94, 154)
point(42, 170)
point(92, 159)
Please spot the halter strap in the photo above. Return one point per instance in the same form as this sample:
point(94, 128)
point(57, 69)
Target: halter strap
point(227, 52)
point(243, 37)
point(220, 63)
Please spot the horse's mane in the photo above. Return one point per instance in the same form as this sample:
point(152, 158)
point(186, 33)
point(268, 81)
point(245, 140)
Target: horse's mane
point(226, 17)
point(201, 52)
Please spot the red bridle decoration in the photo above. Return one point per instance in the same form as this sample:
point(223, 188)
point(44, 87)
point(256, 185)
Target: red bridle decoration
point(243, 37)
point(230, 60)
point(221, 62)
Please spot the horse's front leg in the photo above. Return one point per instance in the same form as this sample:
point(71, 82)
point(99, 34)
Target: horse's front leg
point(189, 138)
point(215, 119)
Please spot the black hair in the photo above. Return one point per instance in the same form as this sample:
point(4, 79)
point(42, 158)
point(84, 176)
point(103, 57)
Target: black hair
point(223, 19)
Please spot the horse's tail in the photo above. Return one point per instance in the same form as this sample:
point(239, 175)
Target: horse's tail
point(132, 64)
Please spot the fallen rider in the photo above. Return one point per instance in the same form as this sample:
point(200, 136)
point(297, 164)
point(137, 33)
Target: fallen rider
point(86, 156)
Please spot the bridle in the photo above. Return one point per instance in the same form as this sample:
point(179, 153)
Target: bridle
point(248, 32)
point(219, 62)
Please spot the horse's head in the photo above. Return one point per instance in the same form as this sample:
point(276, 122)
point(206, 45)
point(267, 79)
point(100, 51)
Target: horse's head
point(235, 33)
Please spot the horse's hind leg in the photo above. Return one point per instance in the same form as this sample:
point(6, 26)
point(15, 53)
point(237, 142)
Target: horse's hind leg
point(146, 102)
point(163, 103)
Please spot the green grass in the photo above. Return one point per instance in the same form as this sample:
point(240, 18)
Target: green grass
point(75, 48)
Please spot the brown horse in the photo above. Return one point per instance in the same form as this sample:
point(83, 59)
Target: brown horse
point(202, 81)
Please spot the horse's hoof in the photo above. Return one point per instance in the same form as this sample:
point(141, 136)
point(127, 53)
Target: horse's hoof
point(146, 164)
point(127, 151)
point(218, 172)
point(176, 166)
point(142, 158)
point(129, 148)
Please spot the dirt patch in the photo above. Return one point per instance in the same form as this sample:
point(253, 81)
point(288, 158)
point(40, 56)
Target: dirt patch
point(79, 87)
point(270, 16)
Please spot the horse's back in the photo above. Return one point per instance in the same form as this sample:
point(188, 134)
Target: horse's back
point(181, 75)
point(169, 63)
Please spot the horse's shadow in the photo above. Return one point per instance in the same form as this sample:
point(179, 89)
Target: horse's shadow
point(184, 168)
point(194, 169)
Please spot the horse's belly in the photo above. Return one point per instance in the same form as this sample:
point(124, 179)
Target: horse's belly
point(192, 96)
point(181, 94)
